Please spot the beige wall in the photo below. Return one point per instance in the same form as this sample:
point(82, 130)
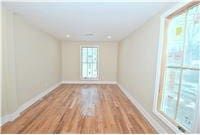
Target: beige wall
point(137, 64)
point(8, 90)
point(31, 63)
point(71, 60)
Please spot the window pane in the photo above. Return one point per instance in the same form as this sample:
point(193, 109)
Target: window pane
point(84, 70)
point(170, 92)
point(94, 70)
point(90, 52)
point(192, 48)
point(188, 98)
point(89, 70)
point(84, 54)
point(175, 40)
point(94, 54)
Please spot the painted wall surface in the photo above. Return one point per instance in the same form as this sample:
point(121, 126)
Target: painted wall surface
point(31, 64)
point(8, 90)
point(71, 60)
point(137, 64)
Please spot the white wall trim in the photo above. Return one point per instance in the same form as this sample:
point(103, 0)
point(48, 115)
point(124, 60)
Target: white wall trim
point(151, 120)
point(14, 115)
point(89, 82)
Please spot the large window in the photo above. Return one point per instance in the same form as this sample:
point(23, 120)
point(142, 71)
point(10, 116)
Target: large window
point(89, 63)
point(179, 85)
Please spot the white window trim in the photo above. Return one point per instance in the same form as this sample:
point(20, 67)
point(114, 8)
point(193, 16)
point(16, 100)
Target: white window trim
point(89, 79)
point(158, 71)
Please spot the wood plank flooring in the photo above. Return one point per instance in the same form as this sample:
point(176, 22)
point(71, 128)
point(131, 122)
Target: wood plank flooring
point(81, 108)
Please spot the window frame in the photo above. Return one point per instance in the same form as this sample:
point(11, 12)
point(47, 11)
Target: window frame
point(179, 8)
point(89, 46)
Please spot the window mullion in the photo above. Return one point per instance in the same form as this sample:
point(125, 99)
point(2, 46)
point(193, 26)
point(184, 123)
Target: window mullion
point(87, 64)
point(92, 64)
point(182, 67)
point(182, 60)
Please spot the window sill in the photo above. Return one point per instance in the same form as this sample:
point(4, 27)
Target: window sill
point(167, 122)
point(95, 79)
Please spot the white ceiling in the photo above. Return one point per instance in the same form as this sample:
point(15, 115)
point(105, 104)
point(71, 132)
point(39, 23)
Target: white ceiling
point(79, 19)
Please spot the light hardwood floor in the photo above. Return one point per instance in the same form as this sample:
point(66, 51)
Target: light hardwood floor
point(81, 108)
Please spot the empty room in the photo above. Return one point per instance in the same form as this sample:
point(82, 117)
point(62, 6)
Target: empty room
point(100, 67)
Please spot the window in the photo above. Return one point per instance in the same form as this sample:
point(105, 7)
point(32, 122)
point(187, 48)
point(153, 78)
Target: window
point(89, 63)
point(179, 78)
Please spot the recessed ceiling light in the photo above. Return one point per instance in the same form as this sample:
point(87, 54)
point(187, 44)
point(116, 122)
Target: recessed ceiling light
point(67, 36)
point(109, 37)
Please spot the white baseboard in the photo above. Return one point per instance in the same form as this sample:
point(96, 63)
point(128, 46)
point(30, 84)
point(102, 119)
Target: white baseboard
point(89, 82)
point(14, 115)
point(151, 120)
